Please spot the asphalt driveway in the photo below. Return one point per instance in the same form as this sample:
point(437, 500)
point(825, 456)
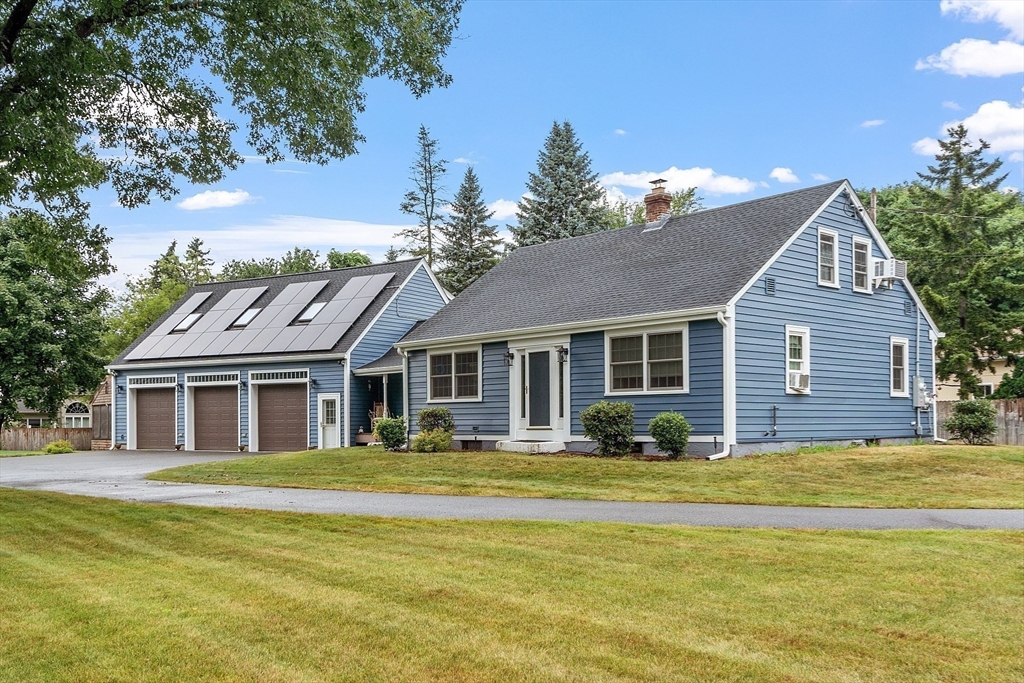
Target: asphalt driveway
point(120, 475)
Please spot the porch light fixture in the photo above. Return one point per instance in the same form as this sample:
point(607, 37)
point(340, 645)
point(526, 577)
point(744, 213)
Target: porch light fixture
point(510, 359)
point(563, 354)
point(120, 388)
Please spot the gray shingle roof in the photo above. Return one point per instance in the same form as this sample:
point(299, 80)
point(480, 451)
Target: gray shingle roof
point(693, 261)
point(388, 361)
point(275, 285)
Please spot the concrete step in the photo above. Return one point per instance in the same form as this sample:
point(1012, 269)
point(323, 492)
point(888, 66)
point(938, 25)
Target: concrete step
point(531, 446)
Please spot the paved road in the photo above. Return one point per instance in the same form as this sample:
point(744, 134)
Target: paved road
point(120, 475)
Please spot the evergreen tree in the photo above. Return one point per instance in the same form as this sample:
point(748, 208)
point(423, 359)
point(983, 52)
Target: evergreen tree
point(471, 245)
point(392, 254)
point(197, 263)
point(425, 200)
point(963, 239)
point(167, 268)
point(564, 198)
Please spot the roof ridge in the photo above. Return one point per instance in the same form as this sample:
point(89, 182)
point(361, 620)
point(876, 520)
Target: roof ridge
point(308, 272)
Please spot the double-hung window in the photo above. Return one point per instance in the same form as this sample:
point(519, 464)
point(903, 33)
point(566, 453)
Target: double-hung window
point(828, 257)
point(861, 264)
point(898, 365)
point(798, 360)
point(647, 361)
point(455, 376)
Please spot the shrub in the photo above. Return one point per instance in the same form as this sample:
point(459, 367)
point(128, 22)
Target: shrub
point(434, 419)
point(610, 425)
point(973, 422)
point(390, 431)
point(435, 441)
point(671, 433)
point(61, 446)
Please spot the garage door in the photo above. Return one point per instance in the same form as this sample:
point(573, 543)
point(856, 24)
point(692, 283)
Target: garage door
point(154, 418)
point(215, 412)
point(283, 422)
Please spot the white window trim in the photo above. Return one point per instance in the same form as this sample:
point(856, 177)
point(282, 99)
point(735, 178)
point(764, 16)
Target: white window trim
point(902, 341)
point(853, 264)
point(683, 328)
point(286, 380)
point(805, 332)
point(991, 388)
point(835, 257)
point(479, 373)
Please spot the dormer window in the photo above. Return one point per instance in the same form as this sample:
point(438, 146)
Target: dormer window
point(310, 313)
point(246, 318)
point(187, 322)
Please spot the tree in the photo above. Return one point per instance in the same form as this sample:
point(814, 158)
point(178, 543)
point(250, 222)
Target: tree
point(563, 197)
point(142, 77)
point(347, 259)
point(625, 212)
point(196, 266)
point(471, 245)
point(300, 260)
point(50, 313)
point(237, 269)
point(963, 239)
point(426, 197)
point(392, 254)
point(1011, 386)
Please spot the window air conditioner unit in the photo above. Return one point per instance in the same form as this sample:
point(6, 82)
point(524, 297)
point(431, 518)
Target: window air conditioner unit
point(888, 270)
point(799, 381)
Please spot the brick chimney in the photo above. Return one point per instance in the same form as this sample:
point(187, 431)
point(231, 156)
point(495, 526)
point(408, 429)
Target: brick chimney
point(658, 202)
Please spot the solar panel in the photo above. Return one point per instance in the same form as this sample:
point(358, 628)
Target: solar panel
point(345, 308)
point(147, 348)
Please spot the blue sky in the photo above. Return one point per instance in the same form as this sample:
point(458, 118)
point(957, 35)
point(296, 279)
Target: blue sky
point(740, 99)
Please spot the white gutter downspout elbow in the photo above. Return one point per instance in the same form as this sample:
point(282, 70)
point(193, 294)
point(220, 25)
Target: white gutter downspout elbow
point(728, 362)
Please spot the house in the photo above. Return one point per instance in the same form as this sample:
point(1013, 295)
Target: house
point(950, 389)
point(269, 363)
point(74, 412)
point(769, 324)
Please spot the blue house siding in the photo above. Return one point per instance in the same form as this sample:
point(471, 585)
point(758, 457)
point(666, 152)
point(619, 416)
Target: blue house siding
point(489, 416)
point(702, 406)
point(418, 300)
point(849, 348)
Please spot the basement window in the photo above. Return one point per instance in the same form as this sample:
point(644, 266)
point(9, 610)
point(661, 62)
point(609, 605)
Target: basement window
point(311, 312)
point(246, 318)
point(187, 322)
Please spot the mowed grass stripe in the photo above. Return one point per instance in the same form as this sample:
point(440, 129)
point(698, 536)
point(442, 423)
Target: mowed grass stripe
point(95, 590)
point(928, 476)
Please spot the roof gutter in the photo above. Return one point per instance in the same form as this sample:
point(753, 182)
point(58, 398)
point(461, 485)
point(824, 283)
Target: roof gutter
point(178, 362)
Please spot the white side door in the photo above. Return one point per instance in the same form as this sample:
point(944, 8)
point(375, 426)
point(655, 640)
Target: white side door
point(330, 432)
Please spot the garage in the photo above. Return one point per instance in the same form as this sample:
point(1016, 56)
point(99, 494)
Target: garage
point(155, 418)
point(215, 415)
point(282, 418)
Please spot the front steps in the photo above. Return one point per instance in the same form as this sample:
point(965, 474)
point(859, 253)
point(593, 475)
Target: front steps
point(532, 447)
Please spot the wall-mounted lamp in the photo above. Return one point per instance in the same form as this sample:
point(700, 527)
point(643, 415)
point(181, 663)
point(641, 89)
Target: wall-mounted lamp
point(510, 359)
point(563, 354)
point(242, 384)
point(120, 388)
point(312, 382)
point(180, 386)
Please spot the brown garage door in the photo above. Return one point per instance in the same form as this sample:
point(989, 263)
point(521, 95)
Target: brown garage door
point(154, 418)
point(215, 412)
point(282, 420)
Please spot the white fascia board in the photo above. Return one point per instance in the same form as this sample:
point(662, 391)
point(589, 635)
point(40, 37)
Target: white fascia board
point(445, 294)
point(385, 307)
point(390, 370)
point(186, 363)
point(576, 327)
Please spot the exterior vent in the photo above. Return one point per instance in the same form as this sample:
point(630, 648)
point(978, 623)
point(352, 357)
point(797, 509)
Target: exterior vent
point(908, 308)
point(208, 379)
point(152, 381)
point(769, 286)
point(888, 270)
point(800, 381)
point(279, 375)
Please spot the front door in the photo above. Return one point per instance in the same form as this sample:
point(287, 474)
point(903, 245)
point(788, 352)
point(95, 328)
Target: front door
point(540, 379)
point(538, 389)
point(329, 433)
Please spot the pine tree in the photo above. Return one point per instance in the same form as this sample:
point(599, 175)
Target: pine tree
point(471, 245)
point(196, 266)
point(564, 198)
point(392, 254)
point(426, 199)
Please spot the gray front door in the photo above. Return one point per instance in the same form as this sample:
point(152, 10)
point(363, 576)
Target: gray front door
point(540, 388)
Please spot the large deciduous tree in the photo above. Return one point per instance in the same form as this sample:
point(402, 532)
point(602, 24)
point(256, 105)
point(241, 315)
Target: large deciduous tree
point(471, 245)
point(426, 199)
point(563, 197)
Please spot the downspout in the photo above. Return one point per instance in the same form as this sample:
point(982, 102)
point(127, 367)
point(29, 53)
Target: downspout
point(728, 383)
point(345, 441)
point(405, 391)
point(917, 372)
point(113, 410)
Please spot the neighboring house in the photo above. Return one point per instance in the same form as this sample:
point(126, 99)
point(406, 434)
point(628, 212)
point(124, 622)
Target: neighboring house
point(74, 412)
point(762, 322)
point(267, 364)
point(950, 389)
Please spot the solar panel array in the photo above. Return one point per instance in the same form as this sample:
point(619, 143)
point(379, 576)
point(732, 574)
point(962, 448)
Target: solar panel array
point(271, 331)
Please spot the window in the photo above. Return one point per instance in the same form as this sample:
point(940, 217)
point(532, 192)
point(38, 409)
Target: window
point(246, 317)
point(187, 322)
point(653, 361)
point(798, 360)
point(307, 315)
point(987, 389)
point(898, 366)
point(455, 376)
point(861, 263)
point(828, 270)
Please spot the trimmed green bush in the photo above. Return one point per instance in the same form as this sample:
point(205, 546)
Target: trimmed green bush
point(973, 422)
point(434, 419)
point(390, 431)
point(671, 433)
point(610, 425)
point(436, 441)
point(61, 446)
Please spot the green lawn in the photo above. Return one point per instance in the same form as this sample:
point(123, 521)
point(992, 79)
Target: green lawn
point(18, 454)
point(908, 476)
point(97, 590)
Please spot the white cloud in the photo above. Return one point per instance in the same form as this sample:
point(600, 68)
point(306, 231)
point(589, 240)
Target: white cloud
point(461, 160)
point(1007, 13)
point(619, 131)
point(503, 208)
point(974, 57)
point(214, 199)
point(950, 104)
point(998, 123)
point(928, 147)
point(783, 175)
point(705, 179)
point(820, 176)
point(872, 123)
point(289, 170)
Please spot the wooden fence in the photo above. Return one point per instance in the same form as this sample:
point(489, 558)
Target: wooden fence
point(34, 439)
point(1009, 420)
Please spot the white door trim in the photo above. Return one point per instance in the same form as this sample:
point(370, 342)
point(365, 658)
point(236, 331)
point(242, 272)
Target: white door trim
point(336, 397)
point(559, 429)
